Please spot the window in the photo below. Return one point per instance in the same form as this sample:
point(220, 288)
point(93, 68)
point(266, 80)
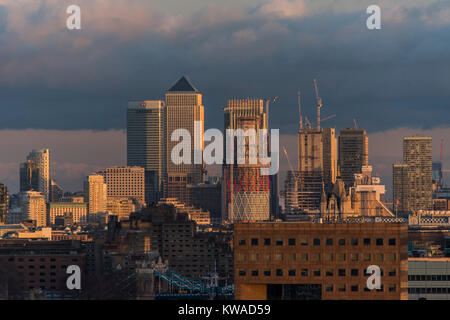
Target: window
point(242, 242)
point(267, 257)
point(241, 257)
point(254, 257)
point(354, 257)
point(316, 241)
point(391, 241)
point(328, 257)
point(267, 272)
point(391, 257)
point(278, 257)
point(254, 241)
point(291, 241)
point(304, 272)
point(329, 242)
point(303, 257)
point(242, 272)
point(366, 241)
point(392, 288)
point(354, 272)
point(341, 272)
point(292, 257)
point(354, 241)
point(341, 257)
point(341, 288)
point(291, 273)
point(279, 242)
point(366, 256)
point(254, 273)
point(329, 272)
point(315, 257)
point(329, 288)
point(279, 272)
point(316, 273)
point(341, 242)
point(379, 241)
point(304, 242)
point(267, 241)
point(354, 288)
point(379, 257)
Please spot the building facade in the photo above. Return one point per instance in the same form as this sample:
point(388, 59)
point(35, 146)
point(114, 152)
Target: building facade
point(78, 211)
point(34, 208)
point(95, 193)
point(184, 109)
point(146, 144)
point(314, 261)
point(4, 203)
point(353, 153)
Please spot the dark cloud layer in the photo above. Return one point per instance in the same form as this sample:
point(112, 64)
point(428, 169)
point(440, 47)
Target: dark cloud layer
point(53, 78)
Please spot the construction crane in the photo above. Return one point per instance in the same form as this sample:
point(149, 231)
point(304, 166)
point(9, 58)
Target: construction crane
point(299, 110)
point(307, 123)
point(328, 118)
point(319, 103)
point(268, 101)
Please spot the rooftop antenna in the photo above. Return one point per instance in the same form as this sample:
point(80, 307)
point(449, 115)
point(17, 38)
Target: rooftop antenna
point(319, 103)
point(299, 110)
point(355, 126)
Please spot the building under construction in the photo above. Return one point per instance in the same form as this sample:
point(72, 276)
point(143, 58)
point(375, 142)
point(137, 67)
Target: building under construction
point(246, 193)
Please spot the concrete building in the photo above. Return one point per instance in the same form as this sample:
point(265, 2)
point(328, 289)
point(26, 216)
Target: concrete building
point(246, 193)
point(56, 192)
point(319, 261)
point(35, 172)
point(121, 207)
point(413, 179)
point(184, 107)
point(125, 182)
point(95, 193)
point(34, 208)
point(429, 278)
point(78, 211)
point(317, 167)
point(201, 217)
point(353, 153)
point(146, 144)
point(4, 203)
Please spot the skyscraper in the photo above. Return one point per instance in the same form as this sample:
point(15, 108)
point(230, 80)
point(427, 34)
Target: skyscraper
point(4, 202)
point(184, 108)
point(413, 186)
point(246, 193)
point(353, 153)
point(35, 172)
point(34, 208)
point(146, 144)
point(95, 193)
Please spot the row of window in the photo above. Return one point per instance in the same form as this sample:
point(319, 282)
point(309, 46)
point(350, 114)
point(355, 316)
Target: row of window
point(11, 259)
point(315, 257)
point(434, 277)
point(305, 272)
point(356, 288)
point(317, 241)
point(429, 290)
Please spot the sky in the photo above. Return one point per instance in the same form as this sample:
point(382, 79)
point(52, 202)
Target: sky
point(68, 89)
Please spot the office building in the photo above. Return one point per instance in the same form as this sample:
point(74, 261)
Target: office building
point(319, 261)
point(4, 203)
point(353, 153)
point(35, 172)
point(125, 182)
point(95, 193)
point(246, 192)
point(413, 178)
point(56, 192)
point(77, 211)
point(122, 207)
point(146, 144)
point(184, 107)
point(429, 278)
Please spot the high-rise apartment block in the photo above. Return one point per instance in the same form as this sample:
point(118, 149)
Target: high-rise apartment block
point(77, 211)
point(35, 172)
point(353, 153)
point(246, 193)
point(34, 208)
point(184, 110)
point(146, 144)
point(95, 193)
point(413, 178)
